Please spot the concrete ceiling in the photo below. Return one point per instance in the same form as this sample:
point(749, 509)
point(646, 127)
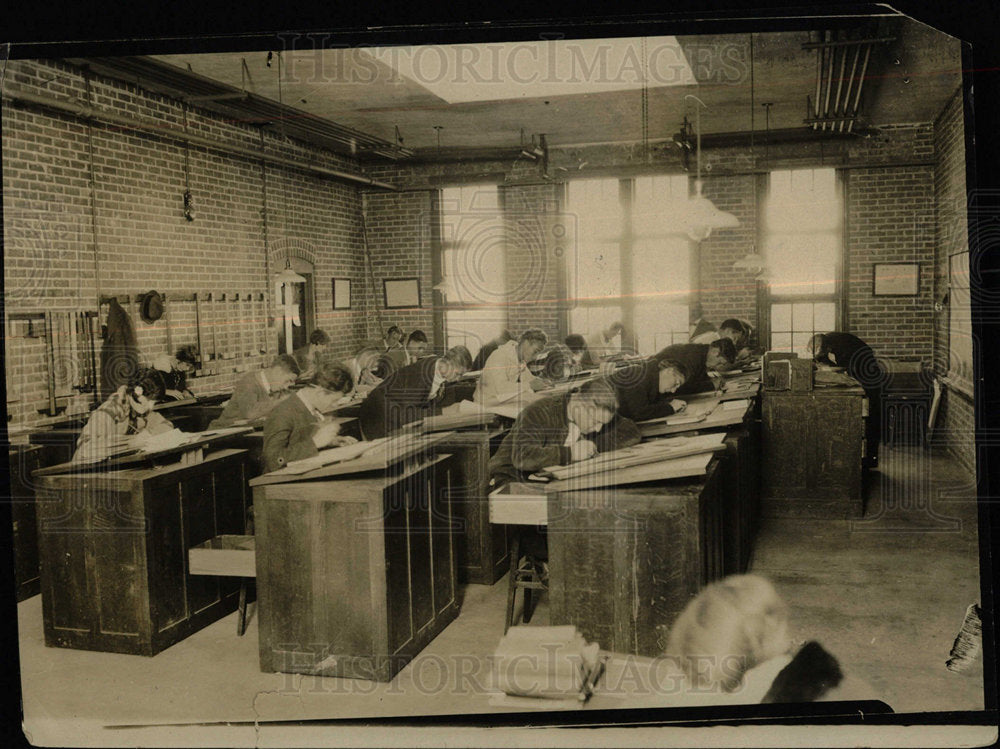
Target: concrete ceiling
point(908, 80)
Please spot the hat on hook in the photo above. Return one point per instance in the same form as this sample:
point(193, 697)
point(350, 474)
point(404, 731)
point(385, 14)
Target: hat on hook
point(151, 307)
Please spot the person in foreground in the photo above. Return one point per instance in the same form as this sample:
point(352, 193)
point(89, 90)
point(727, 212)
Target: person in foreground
point(646, 390)
point(731, 643)
point(562, 429)
point(297, 427)
point(129, 411)
point(256, 393)
point(413, 392)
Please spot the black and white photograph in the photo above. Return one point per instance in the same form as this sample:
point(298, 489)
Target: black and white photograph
point(589, 383)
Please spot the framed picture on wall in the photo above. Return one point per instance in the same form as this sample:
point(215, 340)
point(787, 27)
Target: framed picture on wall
point(341, 293)
point(896, 279)
point(401, 293)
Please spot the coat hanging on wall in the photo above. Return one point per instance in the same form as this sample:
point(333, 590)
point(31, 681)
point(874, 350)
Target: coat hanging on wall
point(120, 352)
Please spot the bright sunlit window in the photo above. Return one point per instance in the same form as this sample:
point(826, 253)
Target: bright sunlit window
point(473, 265)
point(804, 248)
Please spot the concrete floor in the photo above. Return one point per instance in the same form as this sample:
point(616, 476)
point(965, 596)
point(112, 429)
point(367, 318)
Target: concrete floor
point(886, 595)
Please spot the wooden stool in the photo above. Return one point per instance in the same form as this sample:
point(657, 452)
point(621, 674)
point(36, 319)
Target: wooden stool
point(519, 504)
point(526, 575)
point(228, 556)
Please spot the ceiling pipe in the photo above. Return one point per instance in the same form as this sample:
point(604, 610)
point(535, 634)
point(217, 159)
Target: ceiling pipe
point(820, 61)
point(89, 113)
point(861, 83)
point(850, 85)
point(837, 108)
point(829, 85)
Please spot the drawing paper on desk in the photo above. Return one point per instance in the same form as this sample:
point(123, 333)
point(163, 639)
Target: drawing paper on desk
point(736, 405)
point(652, 451)
point(332, 455)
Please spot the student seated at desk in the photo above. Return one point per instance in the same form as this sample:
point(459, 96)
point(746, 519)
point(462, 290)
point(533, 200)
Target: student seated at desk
point(172, 372)
point(700, 330)
point(396, 358)
point(577, 346)
point(363, 366)
point(488, 348)
point(256, 393)
point(858, 359)
point(646, 390)
point(562, 429)
point(297, 428)
point(413, 392)
point(128, 411)
point(696, 359)
point(601, 345)
point(557, 363)
point(307, 355)
point(393, 338)
point(506, 372)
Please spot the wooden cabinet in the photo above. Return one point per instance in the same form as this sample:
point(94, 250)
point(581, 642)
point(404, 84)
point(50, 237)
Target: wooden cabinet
point(625, 561)
point(114, 546)
point(740, 495)
point(22, 461)
point(813, 443)
point(480, 546)
point(356, 573)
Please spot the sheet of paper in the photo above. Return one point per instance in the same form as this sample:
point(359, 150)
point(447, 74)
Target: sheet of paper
point(333, 455)
point(740, 405)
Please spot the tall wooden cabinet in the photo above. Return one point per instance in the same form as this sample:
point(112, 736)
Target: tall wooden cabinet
point(23, 460)
point(114, 549)
point(356, 572)
point(813, 443)
point(625, 560)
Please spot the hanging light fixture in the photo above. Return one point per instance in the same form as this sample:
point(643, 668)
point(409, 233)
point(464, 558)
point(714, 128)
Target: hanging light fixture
point(752, 262)
point(701, 215)
point(288, 275)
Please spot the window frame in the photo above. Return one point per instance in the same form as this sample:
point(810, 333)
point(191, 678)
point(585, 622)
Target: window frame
point(768, 297)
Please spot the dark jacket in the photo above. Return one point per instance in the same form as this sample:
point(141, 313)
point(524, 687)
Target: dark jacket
point(854, 355)
point(692, 357)
point(288, 433)
point(119, 352)
point(250, 401)
point(638, 388)
point(403, 397)
point(484, 353)
point(538, 438)
point(702, 326)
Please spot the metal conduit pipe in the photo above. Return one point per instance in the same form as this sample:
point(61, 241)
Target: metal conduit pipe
point(88, 113)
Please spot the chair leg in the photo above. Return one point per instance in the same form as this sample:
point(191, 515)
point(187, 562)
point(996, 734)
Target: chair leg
point(515, 553)
point(528, 608)
point(241, 620)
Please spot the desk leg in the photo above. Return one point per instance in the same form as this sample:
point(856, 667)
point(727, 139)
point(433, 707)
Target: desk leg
point(515, 554)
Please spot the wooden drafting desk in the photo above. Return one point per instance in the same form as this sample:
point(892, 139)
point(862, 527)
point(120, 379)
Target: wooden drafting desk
point(355, 561)
point(113, 540)
point(625, 560)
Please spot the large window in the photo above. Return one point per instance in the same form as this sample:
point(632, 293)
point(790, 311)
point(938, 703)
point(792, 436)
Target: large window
point(631, 260)
point(803, 245)
point(472, 275)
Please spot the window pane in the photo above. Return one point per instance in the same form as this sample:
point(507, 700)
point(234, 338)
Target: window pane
point(658, 325)
point(802, 317)
point(781, 317)
point(661, 268)
point(803, 199)
point(473, 262)
point(800, 344)
point(803, 263)
point(781, 341)
point(587, 320)
point(596, 272)
point(824, 317)
point(658, 205)
point(473, 328)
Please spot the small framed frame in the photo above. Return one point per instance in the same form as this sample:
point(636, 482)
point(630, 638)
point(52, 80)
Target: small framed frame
point(341, 293)
point(896, 279)
point(401, 293)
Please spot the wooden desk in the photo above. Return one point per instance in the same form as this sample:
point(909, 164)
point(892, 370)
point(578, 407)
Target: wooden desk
point(624, 561)
point(481, 547)
point(813, 443)
point(23, 460)
point(356, 568)
point(114, 549)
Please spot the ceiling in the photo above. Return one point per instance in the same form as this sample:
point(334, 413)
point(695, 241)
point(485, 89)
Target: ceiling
point(395, 99)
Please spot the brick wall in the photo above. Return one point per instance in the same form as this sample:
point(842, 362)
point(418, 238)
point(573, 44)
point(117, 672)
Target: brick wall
point(890, 220)
point(142, 238)
point(956, 417)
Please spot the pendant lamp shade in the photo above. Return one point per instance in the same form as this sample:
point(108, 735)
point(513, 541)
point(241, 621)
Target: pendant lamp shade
point(702, 217)
point(288, 275)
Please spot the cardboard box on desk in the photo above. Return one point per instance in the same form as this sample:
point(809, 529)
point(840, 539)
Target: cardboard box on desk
point(787, 371)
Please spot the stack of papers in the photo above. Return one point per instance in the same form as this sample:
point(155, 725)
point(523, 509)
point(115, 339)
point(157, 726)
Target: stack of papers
point(546, 663)
point(151, 443)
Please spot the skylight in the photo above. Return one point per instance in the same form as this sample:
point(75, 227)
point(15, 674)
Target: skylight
point(460, 73)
